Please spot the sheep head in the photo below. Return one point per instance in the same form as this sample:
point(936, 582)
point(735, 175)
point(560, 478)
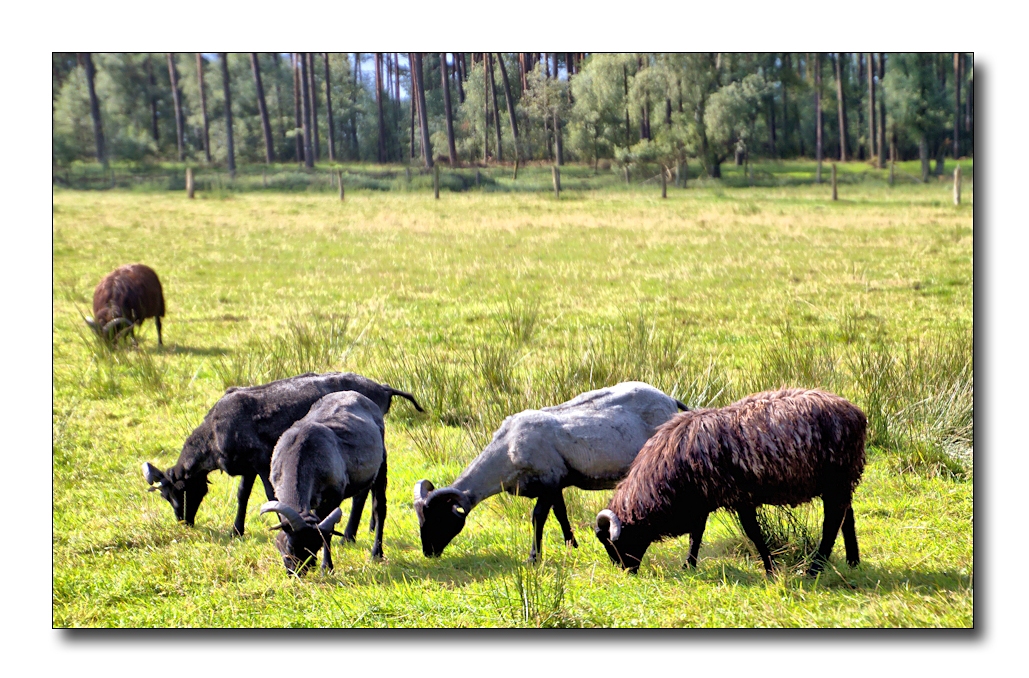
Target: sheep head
point(183, 491)
point(624, 546)
point(441, 515)
point(301, 537)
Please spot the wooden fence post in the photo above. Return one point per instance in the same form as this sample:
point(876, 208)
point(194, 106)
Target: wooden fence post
point(478, 178)
point(557, 181)
point(957, 185)
point(664, 184)
point(626, 168)
point(189, 182)
point(834, 181)
point(339, 178)
point(515, 178)
point(435, 181)
point(891, 171)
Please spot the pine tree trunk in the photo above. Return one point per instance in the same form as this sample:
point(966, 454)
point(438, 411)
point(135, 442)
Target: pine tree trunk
point(461, 74)
point(882, 113)
point(860, 150)
point(313, 90)
point(173, 75)
point(298, 107)
point(451, 148)
point(422, 113)
point(818, 116)
point(152, 83)
point(230, 149)
point(94, 109)
point(840, 105)
point(957, 104)
point(872, 151)
point(628, 127)
point(492, 91)
point(203, 107)
point(558, 146)
point(305, 101)
point(510, 106)
point(262, 108)
point(378, 105)
point(328, 111)
point(414, 100)
point(485, 110)
point(923, 155)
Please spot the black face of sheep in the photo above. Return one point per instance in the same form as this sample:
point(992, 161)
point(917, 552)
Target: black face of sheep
point(302, 537)
point(441, 516)
point(184, 494)
point(624, 548)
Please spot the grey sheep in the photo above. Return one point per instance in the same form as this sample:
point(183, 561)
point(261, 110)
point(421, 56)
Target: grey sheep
point(587, 442)
point(778, 447)
point(335, 452)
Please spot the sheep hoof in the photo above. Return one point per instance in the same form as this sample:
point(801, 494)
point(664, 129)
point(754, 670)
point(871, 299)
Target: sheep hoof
point(853, 563)
point(347, 538)
point(571, 542)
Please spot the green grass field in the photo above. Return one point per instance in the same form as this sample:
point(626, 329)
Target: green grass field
point(489, 301)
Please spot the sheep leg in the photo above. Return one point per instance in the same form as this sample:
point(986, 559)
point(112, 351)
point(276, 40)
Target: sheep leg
point(561, 513)
point(539, 517)
point(696, 534)
point(834, 518)
point(326, 554)
point(850, 538)
point(269, 489)
point(157, 321)
point(748, 519)
point(356, 509)
point(379, 509)
point(246, 483)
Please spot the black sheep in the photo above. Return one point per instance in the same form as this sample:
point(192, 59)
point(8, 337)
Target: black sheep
point(778, 447)
point(126, 297)
point(240, 431)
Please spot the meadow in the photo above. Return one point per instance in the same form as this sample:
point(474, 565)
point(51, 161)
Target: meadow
point(496, 298)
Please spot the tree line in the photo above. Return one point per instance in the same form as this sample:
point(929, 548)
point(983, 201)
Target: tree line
point(482, 108)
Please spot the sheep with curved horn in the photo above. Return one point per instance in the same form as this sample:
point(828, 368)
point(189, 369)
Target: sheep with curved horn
point(778, 447)
point(335, 452)
point(588, 442)
point(123, 299)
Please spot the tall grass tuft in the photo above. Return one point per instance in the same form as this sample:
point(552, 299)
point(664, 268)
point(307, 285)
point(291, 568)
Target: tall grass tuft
point(310, 343)
point(531, 594)
point(796, 361)
point(519, 318)
point(792, 534)
point(431, 373)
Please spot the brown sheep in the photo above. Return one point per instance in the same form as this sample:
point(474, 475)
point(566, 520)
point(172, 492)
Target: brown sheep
point(778, 447)
point(126, 297)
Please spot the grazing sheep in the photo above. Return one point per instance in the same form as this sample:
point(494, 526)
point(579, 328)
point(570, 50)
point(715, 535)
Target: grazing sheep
point(588, 442)
point(126, 297)
point(240, 431)
point(779, 447)
point(337, 451)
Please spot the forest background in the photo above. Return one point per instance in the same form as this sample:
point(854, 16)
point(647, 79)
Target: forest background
point(624, 109)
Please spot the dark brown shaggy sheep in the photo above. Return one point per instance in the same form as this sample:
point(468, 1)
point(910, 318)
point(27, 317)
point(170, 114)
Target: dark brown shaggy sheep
point(778, 447)
point(126, 297)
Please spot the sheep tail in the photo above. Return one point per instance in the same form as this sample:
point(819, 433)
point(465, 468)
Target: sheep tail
point(681, 405)
point(404, 394)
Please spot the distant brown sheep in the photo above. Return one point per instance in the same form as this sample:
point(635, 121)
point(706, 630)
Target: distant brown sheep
point(126, 297)
point(778, 447)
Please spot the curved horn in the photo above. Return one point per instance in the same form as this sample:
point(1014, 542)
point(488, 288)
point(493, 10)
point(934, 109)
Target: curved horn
point(331, 520)
point(92, 324)
point(613, 526)
point(422, 489)
point(289, 513)
point(446, 492)
point(118, 324)
point(151, 474)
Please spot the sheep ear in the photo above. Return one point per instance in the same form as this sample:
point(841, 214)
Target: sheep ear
point(421, 493)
